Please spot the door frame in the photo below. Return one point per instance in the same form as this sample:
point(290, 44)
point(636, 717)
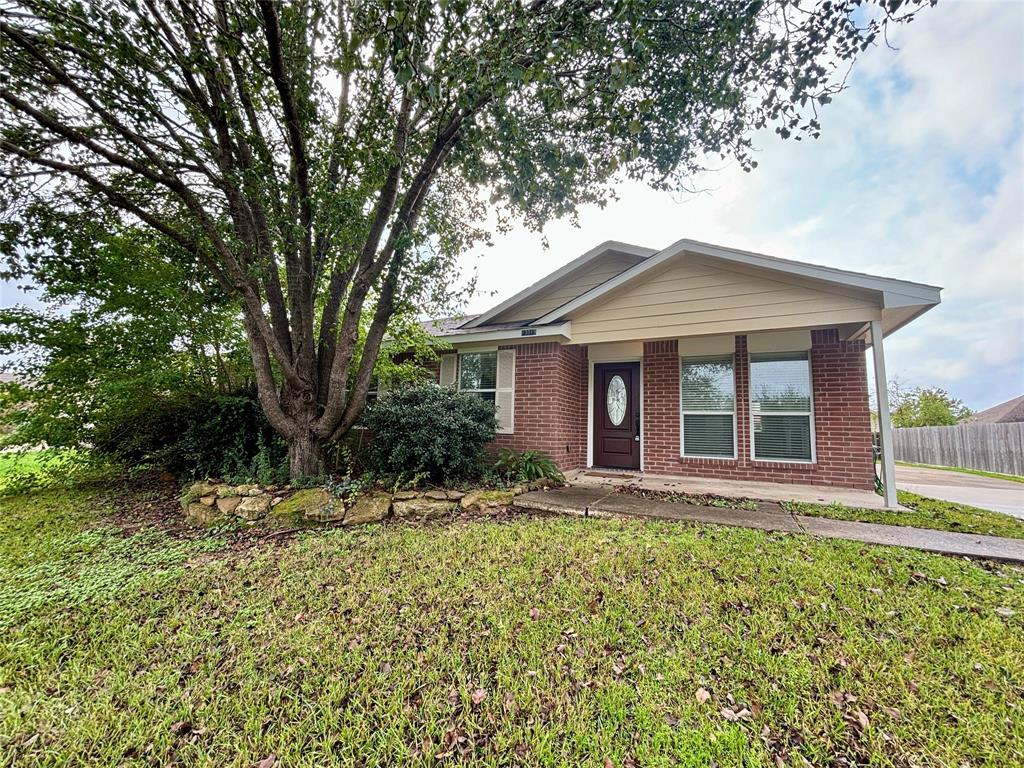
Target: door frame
point(590, 402)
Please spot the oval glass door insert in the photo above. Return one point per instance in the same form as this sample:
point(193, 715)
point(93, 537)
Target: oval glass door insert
point(616, 400)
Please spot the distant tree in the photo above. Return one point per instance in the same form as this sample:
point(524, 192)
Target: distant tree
point(924, 407)
point(326, 161)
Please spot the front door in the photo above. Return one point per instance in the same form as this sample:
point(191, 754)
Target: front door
point(617, 415)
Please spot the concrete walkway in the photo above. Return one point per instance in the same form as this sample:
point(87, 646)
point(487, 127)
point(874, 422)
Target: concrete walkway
point(737, 489)
point(598, 501)
point(992, 493)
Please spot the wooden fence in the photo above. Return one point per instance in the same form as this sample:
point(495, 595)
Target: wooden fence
point(991, 447)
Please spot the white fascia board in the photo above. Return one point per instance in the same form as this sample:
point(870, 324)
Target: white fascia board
point(913, 293)
point(593, 253)
point(892, 299)
point(560, 331)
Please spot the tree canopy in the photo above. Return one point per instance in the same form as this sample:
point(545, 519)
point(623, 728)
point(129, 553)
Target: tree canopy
point(326, 161)
point(925, 407)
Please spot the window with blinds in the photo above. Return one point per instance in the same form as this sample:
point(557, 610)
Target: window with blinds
point(780, 407)
point(491, 376)
point(478, 374)
point(708, 408)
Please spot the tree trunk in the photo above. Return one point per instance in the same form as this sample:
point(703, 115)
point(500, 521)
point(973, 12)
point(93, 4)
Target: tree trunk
point(305, 456)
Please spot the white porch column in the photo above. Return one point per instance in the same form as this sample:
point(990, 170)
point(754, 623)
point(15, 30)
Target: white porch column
point(884, 419)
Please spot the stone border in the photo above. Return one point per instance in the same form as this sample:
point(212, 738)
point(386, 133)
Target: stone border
point(211, 503)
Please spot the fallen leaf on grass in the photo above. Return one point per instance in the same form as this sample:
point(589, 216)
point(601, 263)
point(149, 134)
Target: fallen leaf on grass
point(732, 716)
point(268, 762)
point(534, 614)
point(1005, 612)
point(702, 695)
point(478, 696)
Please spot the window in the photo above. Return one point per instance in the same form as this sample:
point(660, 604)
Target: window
point(491, 376)
point(780, 407)
point(478, 374)
point(708, 408)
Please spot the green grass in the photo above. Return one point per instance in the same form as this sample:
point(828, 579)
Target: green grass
point(921, 512)
point(533, 641)
point(965, 471)
point(22, 471)
point(15, 464)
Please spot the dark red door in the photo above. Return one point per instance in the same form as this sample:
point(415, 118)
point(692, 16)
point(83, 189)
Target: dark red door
point(617, 415)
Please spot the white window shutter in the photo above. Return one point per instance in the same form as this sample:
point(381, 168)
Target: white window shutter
point(505, 394)
point(449, 366)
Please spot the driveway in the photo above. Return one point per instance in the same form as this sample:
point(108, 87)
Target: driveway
point(985, 492)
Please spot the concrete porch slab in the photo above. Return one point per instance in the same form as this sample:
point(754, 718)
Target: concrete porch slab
point(814, 494)
point(602, 501)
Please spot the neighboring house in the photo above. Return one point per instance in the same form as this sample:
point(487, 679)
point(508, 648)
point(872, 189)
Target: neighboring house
point(693, 360)
point(1005, 413)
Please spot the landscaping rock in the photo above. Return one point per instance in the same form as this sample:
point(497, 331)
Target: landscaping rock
point(196, 491)
point(227, 504)
point(436, 494)
point(200, 514)
point(275, 501)
point(422, 508)
point(208, 500)
point(405, 495)
point(253, 507)
point(368, 509)
point(455, 495)
point(226, 491)
point(248, 490)
point(477, 500)
point(308, 503)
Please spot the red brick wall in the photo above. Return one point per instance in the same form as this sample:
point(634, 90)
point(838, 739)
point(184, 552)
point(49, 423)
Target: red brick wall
point(551, 402)
point(841, 418)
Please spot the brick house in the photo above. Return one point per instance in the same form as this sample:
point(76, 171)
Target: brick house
point(693, 360)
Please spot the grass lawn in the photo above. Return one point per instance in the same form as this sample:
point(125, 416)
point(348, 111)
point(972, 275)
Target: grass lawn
point(921, 512)
point(514, 640)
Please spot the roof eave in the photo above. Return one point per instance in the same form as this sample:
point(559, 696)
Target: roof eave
point(557, 331)
point(897, 292)
point(593, 253)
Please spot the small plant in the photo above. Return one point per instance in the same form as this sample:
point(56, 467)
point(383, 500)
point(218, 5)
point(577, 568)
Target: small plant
point(526, 467)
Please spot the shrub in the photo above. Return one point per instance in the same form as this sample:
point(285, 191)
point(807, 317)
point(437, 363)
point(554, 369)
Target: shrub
point(513, 467)
point(431, 431)
point(210, 434)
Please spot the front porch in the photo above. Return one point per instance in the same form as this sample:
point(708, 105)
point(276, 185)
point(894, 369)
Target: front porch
point(736, 489)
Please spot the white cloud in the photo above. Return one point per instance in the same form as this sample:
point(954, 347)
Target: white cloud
point(918, 175)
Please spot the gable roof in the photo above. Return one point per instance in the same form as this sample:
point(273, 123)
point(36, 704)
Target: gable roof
point(906, 299)
point(899, 301)
point(1004, 413)
point(609, 246)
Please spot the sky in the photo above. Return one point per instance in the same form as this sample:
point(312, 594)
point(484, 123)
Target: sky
point(918, 174)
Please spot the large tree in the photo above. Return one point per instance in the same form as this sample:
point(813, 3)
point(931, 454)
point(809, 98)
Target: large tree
point(327, 160)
